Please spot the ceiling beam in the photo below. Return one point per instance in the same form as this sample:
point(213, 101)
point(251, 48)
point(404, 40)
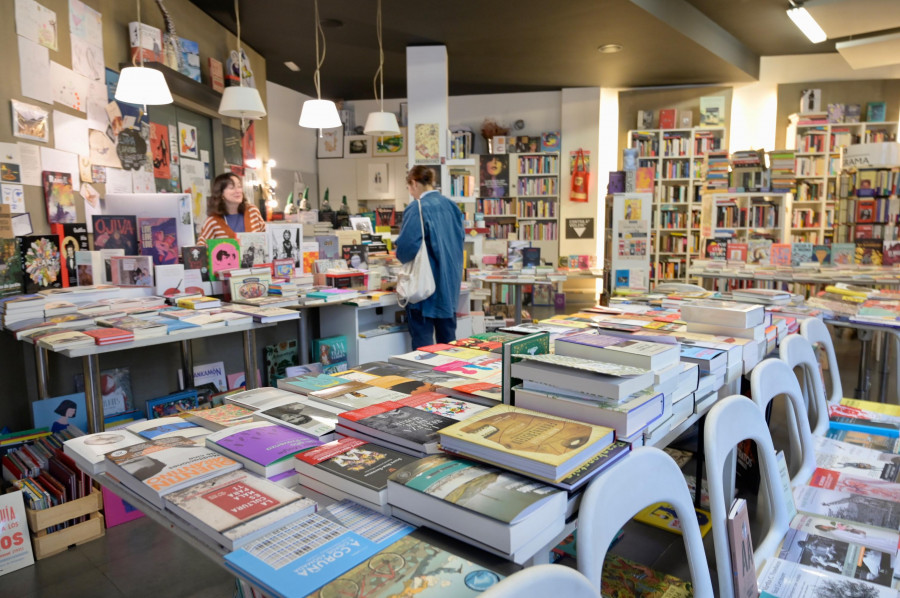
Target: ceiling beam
point(690, 22)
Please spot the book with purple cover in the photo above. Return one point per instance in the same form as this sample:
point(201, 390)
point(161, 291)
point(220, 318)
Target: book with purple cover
point(263, 447)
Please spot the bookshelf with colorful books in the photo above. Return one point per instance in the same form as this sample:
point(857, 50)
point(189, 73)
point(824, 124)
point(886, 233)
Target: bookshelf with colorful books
point(536, 187)
point(867, 205)
point(676, 155)
point(749, 216)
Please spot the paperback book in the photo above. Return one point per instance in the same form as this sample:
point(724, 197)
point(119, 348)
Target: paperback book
point(263, 447)
point(115, 232)
point(398, 424)
point(159, 239)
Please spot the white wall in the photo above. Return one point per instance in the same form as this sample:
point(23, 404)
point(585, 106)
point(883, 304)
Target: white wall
point(291, 146)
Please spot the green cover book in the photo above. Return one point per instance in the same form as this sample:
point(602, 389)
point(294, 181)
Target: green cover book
point(532, 344)
point(331, 352)
point(278, 358)
point(224, 254)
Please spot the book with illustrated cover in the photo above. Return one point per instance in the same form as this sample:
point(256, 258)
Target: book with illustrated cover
point(285, 241)
point(116, 232)
point(576, 375)
point(758, 251)
point(870, 441)
point(155, 468)
point(305, 416)
point(736, 252)
point(89, 451)
point(846, 482)
point(618, 350)
point(222, 416)
point(331, 352)
point(852, 508)
point(626, 578)
point(494, 175)
point(73, 237)
point(132, 270)
point(238, 507)
point(11, 280)
point(195, 258)
point(712, 111)
point(354, 395)
point(308, 383)
point(782, 578)
point(801, 253)
point(663, 516)
point(740, 544)
point(890, 253)
point(59, 196)
point(882, 540)
point(159, 239)
point(868, 251)
point(278, 358)
point(439, 404)
point(224, 254)
point(844, 558)
point(354, 466)
point(264, 448)
point(254, 249)
point(540, 446)
point(822, 253)
point(537, 343)
point(166, 427)
point(415, 563)
point(40, 259)
point(843, 254)
point(393, 423)
point(299, 558)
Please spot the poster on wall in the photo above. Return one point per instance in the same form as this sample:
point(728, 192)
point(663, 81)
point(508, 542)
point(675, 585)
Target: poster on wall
point(494, 171)
point(159, 146)
point(194, 182)
point(579, 228)
point(633, 240)
point(427, 143)
point(187, 141)
point(233, 152)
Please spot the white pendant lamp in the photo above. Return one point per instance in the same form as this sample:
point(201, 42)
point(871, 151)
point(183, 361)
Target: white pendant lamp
point(380, 123)
point(139, 84)
point(319, 113)
point(241, 102)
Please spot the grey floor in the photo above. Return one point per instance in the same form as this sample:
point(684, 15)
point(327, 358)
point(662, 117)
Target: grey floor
point(141, 558)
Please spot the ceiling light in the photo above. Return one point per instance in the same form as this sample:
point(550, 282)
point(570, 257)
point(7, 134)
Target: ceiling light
point(610, 48)
point(807, 24)
point(241, 102)
point(292, 66)
point(319, 114)
point(380, 123)
point(141, 85)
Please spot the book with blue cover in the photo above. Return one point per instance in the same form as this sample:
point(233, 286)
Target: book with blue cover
point(299, 558)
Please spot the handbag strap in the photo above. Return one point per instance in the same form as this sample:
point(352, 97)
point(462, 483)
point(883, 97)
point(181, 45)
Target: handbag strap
point(578, 157)
point(422, 221)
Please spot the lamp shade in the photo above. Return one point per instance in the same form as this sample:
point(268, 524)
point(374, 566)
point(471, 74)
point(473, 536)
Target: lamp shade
point(242, 102)
point(142, 85)
point(381, 123)
point(319, 114)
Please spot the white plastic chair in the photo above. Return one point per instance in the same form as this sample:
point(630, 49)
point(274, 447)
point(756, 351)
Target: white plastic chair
point(645, 477)
point(816, 332)
point(544, 580)
point(799, 355)
point(729, 422)
point(772, 378)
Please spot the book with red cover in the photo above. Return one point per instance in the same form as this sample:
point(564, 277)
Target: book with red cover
point(736, 252)
point(865, 210)
point(108, 336)
point(667, 118)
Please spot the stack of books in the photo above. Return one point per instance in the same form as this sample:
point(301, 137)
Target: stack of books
point(110, 336)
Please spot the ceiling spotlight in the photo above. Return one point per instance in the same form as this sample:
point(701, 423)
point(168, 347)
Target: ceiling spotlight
point(806, 23)
point(610, 48)
point(292, 66)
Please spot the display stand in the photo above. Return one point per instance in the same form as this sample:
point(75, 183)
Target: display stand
point(628, 241)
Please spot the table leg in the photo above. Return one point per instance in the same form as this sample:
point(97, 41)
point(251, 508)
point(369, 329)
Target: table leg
point(187, 364)
point(517, 289)
point(40, 367)
point(885, 351)
point(250, 365)
point(93, 396)
point(303, 332)
point(861, 381)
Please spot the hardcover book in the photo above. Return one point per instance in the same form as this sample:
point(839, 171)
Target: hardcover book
point(356, 256)
point(298, 413)
point(843, 254)
point(331, 352)
point(737, 252)
point(715, 250)
point(285, 241)
point(73, 237)
point(264, 448)
point(822, 253)
point(224, 254)
point(868, 251)
point(238, 507)
point(876, 111)
point(40, 259)
point(398, 424)
point(157, 467)
point(195, 258)
point(59, 196)
point(780, 254)
point(116, 232)
point(159, 239)
point(802, 253)
point(758, 251)
point(852, 113)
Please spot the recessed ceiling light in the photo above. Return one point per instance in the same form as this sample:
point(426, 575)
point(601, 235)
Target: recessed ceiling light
point(292, 65)
point(610, 48)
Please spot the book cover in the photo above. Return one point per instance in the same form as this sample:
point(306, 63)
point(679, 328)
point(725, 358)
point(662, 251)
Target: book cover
point(331, 352)
point(551, 141)
point(822, 253)
point(165, 427)
point(853, 508)
point(278, 358)
point(173, 404)
point(302, 415)
point(358, 461)
point(865, 211)
point(667, 118)
point(252, 284)
point(354, 395)
point(59, 196)
point(286, 241)
point(835, 113)
point(11, 281)
point(263, 443)
point(712, 111)
point(876, 112)
point(92, 448)
point(852, 113)
point(307, 383)
point(190, 59)
point(239, 505)
point(758, 251)
point(537, 343)
point(802, 253)
point(740, 544)
point(310, 255)
point(782, 578)
point(780, 254)
point(843, 254)
point(438, 404)
point(132, 270)
point(890, 253)
point(40, 259)
point(663, 516)
point(418, 565)
point(14, 531)
point(115, 232)
point(716, 250)
point(531, 257)
point(329, 247)
point(737, 252)
point(73, 237)
point(399, 422)
point(494, 175)
point(623, 577)
point(645, 119)
point(159, 239)
point(847, 482)
point(868, 251)
point(224, 254)
point(254, 249)
point(216, 74)
point(195, 258)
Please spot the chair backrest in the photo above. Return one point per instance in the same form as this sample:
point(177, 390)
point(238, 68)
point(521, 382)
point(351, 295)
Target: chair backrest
point(544, 580)
point(816, 332)
point(799, 355)
point(647, 476)
point(772, 378)
point(731, 421)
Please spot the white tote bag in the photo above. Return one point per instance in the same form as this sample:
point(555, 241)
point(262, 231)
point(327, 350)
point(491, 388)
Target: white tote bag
point(415, 282)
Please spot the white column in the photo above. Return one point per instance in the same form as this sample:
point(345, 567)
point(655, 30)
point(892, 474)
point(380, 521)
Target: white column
point(427, 92)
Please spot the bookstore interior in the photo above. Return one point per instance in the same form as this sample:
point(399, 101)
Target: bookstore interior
point(646, 245)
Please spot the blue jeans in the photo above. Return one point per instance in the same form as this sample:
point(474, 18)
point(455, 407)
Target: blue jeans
point(423, 330)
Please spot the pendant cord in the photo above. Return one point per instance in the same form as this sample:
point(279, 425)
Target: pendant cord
point(379, 74)
point(319, 60)
point(237, 17)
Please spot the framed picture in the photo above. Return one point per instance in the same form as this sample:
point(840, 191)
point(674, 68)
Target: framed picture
point(187, 141)
point(356, 146)
point(378, 179)
point(395, 145)
point(30, 122)
point(331, 143)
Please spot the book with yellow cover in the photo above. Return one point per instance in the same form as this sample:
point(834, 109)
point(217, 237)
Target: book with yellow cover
point(883, 408)
point(662, 515)
point(538, 445)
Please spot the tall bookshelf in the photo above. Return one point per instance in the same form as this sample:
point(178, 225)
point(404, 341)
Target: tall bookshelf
point(676, 155)
point(743, 217)
point(530, 211)
point(818, 147)
point(868, 206)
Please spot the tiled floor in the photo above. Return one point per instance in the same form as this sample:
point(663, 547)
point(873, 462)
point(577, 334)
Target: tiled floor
point(141, 558)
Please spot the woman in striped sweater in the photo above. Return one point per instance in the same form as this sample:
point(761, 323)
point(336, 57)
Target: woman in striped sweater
point(228, 211)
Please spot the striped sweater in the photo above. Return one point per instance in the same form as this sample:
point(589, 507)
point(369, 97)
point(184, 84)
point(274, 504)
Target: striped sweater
point(215, 227)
